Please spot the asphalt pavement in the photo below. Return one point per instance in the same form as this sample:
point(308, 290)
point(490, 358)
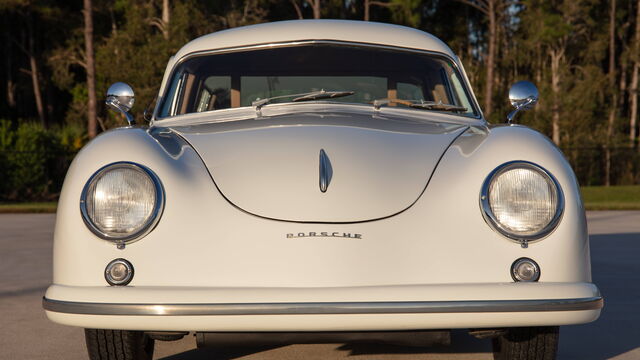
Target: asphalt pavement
point(25, 332)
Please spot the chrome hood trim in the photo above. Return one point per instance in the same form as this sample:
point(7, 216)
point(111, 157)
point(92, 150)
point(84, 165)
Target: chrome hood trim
point(325, 171)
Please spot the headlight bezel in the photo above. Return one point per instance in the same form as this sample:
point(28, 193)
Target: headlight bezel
point(148, 226)
point(493, 221)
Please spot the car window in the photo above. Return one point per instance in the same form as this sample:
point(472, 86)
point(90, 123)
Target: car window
point(236, 79)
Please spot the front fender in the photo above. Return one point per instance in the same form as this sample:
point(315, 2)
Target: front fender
point(563, 255)
point(79, 255)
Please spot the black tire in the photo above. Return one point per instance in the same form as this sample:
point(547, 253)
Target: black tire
point(118, 345)
point(527, 343)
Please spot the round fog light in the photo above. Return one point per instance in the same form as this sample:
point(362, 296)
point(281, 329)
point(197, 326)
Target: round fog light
point(118, 272)
point(525, 269)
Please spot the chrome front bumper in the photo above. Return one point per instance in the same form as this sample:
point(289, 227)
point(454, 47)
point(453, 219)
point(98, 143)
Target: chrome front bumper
point(321, 308)
point(368, 308)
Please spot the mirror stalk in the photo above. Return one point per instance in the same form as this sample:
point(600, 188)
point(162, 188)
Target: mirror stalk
point(523, 106)
point(120, 97)
point(113, 103)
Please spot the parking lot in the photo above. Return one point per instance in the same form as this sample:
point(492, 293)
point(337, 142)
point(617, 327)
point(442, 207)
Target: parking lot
point(25, 268)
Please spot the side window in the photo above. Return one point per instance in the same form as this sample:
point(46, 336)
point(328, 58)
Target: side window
point(461, 98)
point(168, 103)
point(440, 89)
point(447, 87)
point(214, 94)
point(409, 91)
point(205, 101)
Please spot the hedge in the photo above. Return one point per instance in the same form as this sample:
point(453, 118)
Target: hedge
point(34, 160)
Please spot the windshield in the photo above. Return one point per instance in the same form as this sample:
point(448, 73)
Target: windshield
point(237, 79)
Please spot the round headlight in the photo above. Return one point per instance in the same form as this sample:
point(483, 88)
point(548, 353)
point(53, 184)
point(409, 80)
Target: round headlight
point(122, 201)
point(522, 201)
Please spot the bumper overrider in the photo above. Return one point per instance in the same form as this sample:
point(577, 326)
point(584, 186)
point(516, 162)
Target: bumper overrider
point(185, 309)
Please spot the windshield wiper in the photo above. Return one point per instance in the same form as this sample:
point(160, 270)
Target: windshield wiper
point(420, 104)
point(317, 95)
point(313, 95)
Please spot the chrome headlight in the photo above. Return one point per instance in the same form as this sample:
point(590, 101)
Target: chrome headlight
point(122, 202)
point(522, 201)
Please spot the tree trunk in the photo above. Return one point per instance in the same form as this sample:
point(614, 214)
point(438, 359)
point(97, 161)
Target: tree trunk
point(633, 104)
point(366, 10)
point(166, 17)
point(614, 99)
point(467, 38)
point(297, 8)
point(315, 5)
point(539, 69)
point(556, 57)
point(11, 86)
point(35, 81)
point(92, 127)
point(488, 90)
point(622, 88)
point(35, 75)
point(633, 90)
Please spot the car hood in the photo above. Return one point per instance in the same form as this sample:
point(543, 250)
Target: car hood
point(371, 167)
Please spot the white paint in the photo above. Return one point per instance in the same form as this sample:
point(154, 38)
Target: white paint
point(205, 247)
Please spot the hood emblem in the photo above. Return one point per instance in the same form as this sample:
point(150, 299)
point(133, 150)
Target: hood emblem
point(326, 172)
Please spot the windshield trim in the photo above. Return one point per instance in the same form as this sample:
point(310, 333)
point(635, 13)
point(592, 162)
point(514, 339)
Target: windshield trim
point(273, 45)
point(318, 108)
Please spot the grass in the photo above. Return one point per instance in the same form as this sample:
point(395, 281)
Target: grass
point(611, 198)
point(595, 198)
point(28, 207)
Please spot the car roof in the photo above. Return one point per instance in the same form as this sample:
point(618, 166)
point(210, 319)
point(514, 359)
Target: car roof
point(300, 30)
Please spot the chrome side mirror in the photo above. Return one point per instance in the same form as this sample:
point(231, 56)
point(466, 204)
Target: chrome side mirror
point(120, 97)
point(523, 95)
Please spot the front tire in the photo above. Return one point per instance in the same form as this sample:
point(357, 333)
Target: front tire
point(118, 345)
point(527, 343)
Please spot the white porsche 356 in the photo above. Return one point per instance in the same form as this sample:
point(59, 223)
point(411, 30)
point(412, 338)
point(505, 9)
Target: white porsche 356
point(312, 181)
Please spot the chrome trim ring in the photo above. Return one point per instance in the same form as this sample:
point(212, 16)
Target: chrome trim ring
point(110, 280)
point(320, 308)
point(150, 223)
point(493, 222)
point(519, 261)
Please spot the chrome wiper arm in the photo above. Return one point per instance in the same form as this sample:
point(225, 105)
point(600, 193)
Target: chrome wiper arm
point(313, 95)
point(262, 102)
point(377, 103)
point(322, 94)
point(432, 105)
point(419, 104)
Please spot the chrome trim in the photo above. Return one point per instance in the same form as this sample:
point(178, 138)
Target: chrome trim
point(521, 260)
point(399, 307)
point(151, 223)
point(523, 106)
point(493, 222)
point(125, 281)
point(325, 171)
point(523, 95)
point(120, 97)
point(477, 114)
